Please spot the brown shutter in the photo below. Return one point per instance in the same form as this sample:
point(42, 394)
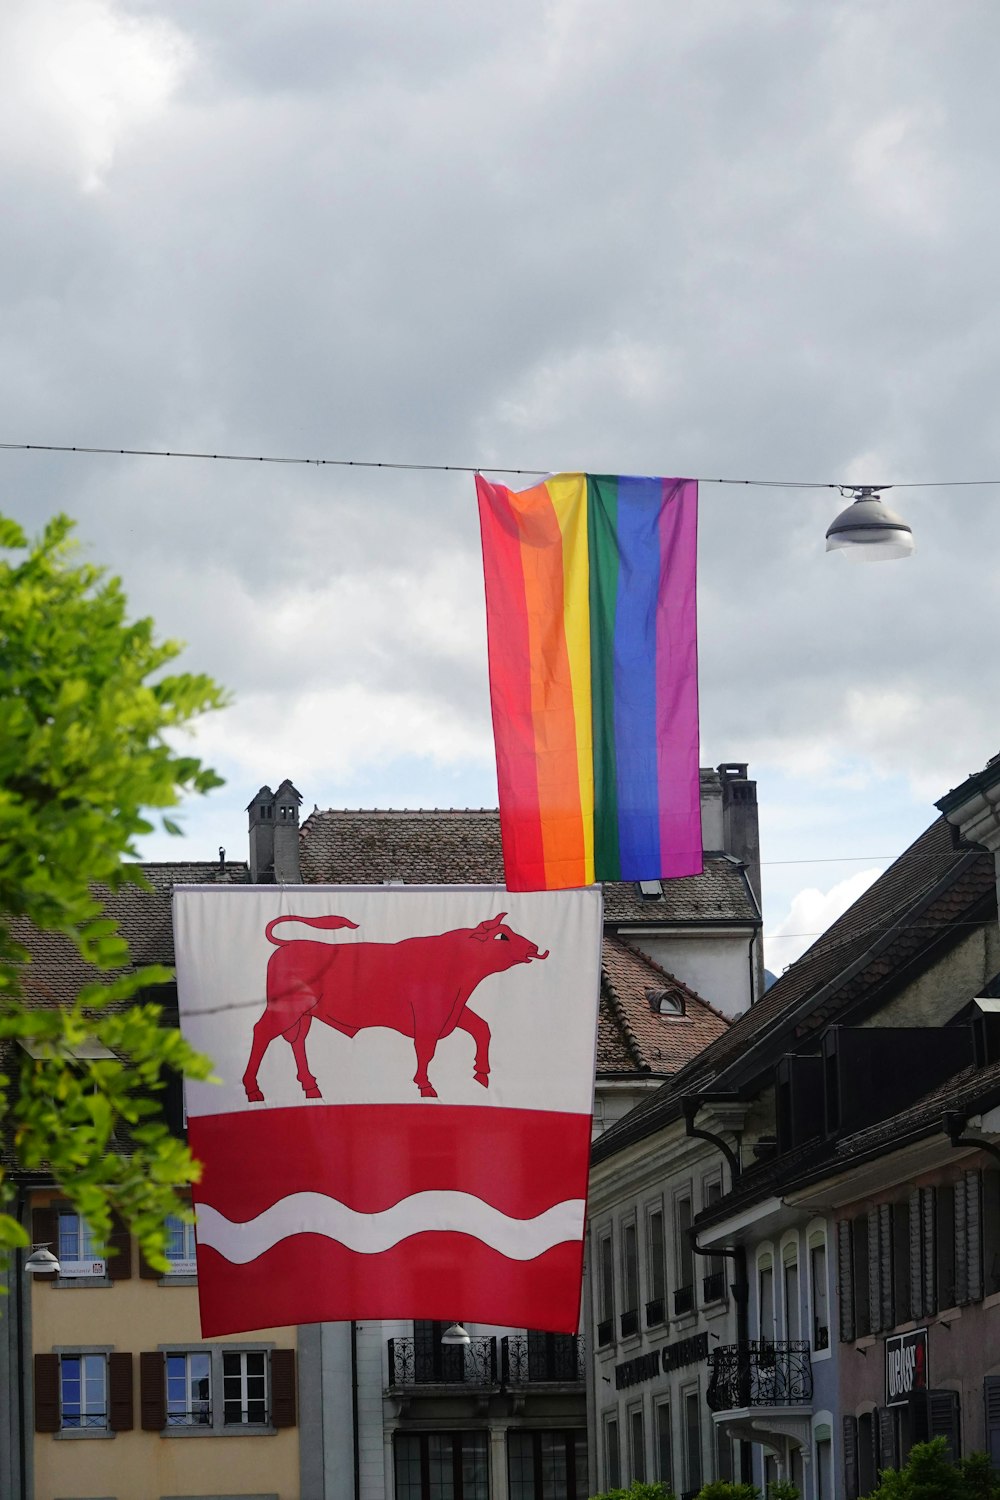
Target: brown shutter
point(845, 1284)
point(850, 1458)
point(146, 1271)
point(974, 1235)
point(927, 1248)
point(991, 1398)
point(119, 1251)
point(885, 1250)
point(945, 1243)
point(900, 1263)
point(120, 1409)
point(45, 1231)
point(283, 1387)
point(874, 1277)
point(47, 1411)
point(887, 1457)
point(991, 1231)
point(152, 1392)
point(916, 1256)
point(862, 1276)
point(943, 1415)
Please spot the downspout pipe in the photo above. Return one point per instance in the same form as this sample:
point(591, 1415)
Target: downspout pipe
point(955, 1124)
point(736, 1253)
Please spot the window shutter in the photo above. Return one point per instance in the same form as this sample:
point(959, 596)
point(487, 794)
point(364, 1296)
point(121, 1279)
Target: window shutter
point(900, 1263)
point(960, 1249)
point(152, 1392)
point(874, 1273)
point(45, 1231)
point(845, 1286)
point(991, 1397)
point(862, 1275)
point(927, 1228)
point(885, 1264)
point(991, 1230)
point(919, 1415)
point(943, 1420)
point(47, 1413)
point(916, 1257)
point(119, 1251)
point(850, 1458)
point(974, 1234)
point(146, 1271)
point(945, 1241)
point(887, 1457)
point(120, 1410)
point(283, 1387)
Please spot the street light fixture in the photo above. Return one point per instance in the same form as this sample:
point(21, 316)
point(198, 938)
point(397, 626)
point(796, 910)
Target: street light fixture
point(868, 531)
point(41, 1262)
point(455, 1335)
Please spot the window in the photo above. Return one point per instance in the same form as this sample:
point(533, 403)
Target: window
point(179, 1250)
point(441, 1466)
point(217, 1388)
point(684, 1295)
point(75, 1247)
point(664, 1445)
point(83, 1390)
point(244, 1387)
point(790, 1290)
point(189, 1389)
point(630, 1280)
point(612, 1454)
point(656, 1306)
point(818, 1292)
point(714, 1281)
point(606, 1291)
point(692, 1440)
point(637, 1445)
point(547, 1465)
point(765, 1298)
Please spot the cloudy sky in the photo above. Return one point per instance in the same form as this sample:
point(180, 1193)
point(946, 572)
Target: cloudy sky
point(726, 240)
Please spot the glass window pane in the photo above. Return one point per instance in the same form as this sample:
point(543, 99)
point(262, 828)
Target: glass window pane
point(475, 1485)
point(406, 1448)
point(664, 1453)
point(656, 1256)
point(441, 1466)
point(521, 1466)
point(637, 1438)
point(554, 1478)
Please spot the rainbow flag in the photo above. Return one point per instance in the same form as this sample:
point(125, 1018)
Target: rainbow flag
point(591, 621)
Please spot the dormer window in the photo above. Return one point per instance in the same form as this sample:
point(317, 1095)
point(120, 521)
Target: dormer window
point(668, 1001)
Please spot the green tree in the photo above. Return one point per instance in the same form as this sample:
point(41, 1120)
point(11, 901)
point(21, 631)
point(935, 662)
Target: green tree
point(88, 719)
point(929, 1475)
point(639, 1491)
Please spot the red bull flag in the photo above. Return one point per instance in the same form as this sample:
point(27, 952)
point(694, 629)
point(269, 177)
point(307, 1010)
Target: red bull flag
point(401, 1126)
point(592, 628)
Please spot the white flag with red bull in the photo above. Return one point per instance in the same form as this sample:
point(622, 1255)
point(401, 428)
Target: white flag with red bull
point(402, 1123)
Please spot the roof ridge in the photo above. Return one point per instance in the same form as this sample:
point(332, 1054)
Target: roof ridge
point(625, 1025)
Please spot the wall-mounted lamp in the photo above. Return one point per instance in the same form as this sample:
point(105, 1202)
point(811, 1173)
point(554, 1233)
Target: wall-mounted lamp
point(41, 1262)
point(868, 531)
point(455, 1334)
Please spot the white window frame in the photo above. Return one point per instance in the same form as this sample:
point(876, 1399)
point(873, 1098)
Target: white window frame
point(660, 1404)
point(217, 1425)
point(651, 1210)
point(610, 1419)
point(630, 1227)
point(634, 1411)
point(97, 1361)
point(243, 1354)
point(190, 1416)
point(791, 1255)
point(184, 1264)
point(682, 1246)
point(686, 1393)
point(84, 1262)
point(816, 1236)
point(765, 1261)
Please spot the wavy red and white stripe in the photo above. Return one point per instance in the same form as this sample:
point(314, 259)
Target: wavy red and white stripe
point(328, 1212)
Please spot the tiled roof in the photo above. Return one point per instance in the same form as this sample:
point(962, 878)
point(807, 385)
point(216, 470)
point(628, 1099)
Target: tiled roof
point(661, 1041)
point(923, 900)
point(462, 846)
point(57, 973)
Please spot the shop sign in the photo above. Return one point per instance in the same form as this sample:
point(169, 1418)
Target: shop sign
point(905, 1366)
point(671, 1357)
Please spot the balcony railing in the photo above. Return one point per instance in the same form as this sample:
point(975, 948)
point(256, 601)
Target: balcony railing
point(605, 1332)
point(527, 1359)
point(759, 1373)
point(683, 1300)
point(655, 1312)
point(629, 1322)
point(425, 1362)
point(713, 1286)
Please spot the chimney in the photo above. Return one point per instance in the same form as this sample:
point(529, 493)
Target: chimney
point(741, 833)
point(287, 870)
point(974, 809)
point(261, 811)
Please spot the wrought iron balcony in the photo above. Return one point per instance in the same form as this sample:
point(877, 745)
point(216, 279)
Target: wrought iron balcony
point(527, 1359)
point(713, 1286)
point(605, 1332)
point(629, 1322)
point(683, 1300)
point(759, 1373)
point(426, 1362)
point(655, 1312)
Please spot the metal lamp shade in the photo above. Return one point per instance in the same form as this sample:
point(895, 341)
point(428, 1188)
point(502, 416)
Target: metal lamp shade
point(868, 531)
point(455, 1334)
